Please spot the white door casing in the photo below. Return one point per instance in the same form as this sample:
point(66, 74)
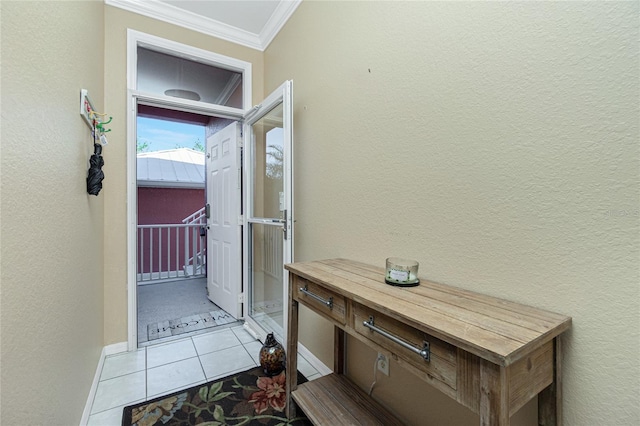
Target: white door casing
point(282, 95)
point(224, 254)
point(135, 39)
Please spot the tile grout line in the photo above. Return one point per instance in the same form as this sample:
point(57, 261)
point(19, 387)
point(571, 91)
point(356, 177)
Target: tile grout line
point(199, 360)
point(249, 353)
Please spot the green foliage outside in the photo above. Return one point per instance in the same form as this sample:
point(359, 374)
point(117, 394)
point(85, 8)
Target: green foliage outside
point(143, 146)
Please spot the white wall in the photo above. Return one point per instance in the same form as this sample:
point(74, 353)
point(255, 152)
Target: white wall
point(497, 144)
point(52, 230)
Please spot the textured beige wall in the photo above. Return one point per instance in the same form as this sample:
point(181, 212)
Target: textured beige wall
point(497, 144)
point(116, 23)
point(52, 230)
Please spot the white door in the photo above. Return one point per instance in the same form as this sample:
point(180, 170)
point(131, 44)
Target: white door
point(268, 212)
point(224, 253)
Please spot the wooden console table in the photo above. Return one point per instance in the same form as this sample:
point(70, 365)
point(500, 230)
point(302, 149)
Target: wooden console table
point(489, 354)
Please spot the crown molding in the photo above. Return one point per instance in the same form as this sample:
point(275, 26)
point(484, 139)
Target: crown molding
point(180, 17)
point(174, 15)
point(277, 20)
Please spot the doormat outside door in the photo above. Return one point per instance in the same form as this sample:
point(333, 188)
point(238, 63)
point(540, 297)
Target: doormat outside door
point(268, 306)
point(196, 322)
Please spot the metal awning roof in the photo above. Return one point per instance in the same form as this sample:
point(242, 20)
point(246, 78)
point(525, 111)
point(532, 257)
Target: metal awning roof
point(174, 168)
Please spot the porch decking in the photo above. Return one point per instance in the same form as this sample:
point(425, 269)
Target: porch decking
point(169, 300)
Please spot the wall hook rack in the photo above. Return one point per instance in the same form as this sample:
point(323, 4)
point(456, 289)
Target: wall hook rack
point(100, 126)
point(94, 119)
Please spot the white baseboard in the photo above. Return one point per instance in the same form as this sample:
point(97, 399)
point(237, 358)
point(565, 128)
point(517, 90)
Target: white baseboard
point(313, 360)
point(116, 348)
point(106, 351)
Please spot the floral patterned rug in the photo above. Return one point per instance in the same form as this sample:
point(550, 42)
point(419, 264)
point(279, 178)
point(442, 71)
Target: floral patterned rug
point(247, 398)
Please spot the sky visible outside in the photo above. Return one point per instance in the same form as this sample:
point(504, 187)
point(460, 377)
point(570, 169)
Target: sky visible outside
point(160, 135)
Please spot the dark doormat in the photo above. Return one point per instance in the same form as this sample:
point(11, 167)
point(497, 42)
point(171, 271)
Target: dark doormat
point(247, 398)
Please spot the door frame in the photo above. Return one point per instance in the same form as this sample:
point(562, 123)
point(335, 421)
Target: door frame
point(135, 39)
point(282, 94)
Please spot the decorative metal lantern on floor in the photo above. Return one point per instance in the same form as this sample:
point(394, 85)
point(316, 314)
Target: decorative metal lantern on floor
point(272, 356)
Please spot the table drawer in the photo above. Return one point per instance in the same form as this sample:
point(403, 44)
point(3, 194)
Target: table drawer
point(320, 299)
point(439, 370)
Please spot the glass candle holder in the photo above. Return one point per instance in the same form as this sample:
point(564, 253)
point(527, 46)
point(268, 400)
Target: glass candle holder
point(401, 272)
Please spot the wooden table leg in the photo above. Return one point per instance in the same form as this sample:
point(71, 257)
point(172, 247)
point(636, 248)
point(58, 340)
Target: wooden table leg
point(550, 399)
point(494, 391)
point(339, 344)
point(292, 352)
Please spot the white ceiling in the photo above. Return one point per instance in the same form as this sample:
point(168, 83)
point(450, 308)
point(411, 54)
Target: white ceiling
point(249, 15)
point(252, 23)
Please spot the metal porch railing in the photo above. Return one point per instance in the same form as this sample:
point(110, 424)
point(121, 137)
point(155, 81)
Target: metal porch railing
point(196, 217)
point(197, 264)
point(170, 251)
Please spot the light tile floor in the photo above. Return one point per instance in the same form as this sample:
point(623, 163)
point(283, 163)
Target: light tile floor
point(152, 371)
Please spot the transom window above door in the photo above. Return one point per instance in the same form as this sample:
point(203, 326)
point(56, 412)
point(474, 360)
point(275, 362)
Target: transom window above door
point(160, 73)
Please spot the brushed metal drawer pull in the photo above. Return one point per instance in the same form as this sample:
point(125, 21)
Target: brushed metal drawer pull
point(328, 303)
point(424, 352)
